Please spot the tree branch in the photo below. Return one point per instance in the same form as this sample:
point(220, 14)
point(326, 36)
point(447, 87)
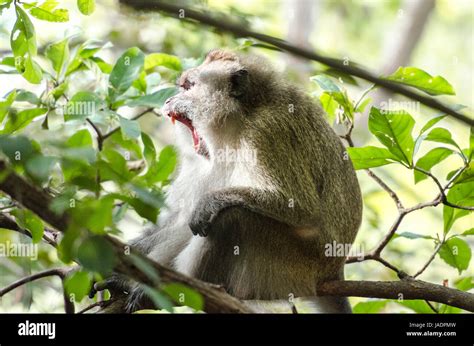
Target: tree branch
point(403, 289)
point(50, 236)
point(216, 300)
point(226, 24)
point(60, 272)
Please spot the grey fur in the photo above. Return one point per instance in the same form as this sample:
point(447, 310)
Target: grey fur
point(278, 212)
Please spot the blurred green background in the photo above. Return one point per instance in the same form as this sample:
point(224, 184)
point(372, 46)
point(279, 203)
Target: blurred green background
point(436, 36)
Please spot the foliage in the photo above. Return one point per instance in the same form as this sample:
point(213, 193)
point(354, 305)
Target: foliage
point(394, 130)
point(88, 172)
point(90, 176)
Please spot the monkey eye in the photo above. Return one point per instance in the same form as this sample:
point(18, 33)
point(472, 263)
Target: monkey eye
point(186, 85)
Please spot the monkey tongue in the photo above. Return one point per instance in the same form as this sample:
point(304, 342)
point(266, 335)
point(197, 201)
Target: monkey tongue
point(198, 143)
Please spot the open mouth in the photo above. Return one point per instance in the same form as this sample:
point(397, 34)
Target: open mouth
point(198, 142)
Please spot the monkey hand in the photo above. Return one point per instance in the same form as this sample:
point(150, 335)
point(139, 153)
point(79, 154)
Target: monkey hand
point(203, 217)
point(116, 284)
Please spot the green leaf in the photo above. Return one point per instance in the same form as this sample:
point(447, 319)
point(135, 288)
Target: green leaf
point(325, 83)
point(96, 254)
point(26, 96)
point(466, 176)
point(23, 37)
point(422, 80)
point(5, 105)
point(368, 157)
point(411, 235)
point(152, 198)
point(39, 167)
point(155, 100)
point(393, 129)
point(468, 232)
point(160, 59)
point(28, 220)
point(430, 123)
point(346, 78)
point(145, 267)
point(149, 151)
point(47, 11)
point(81, 138)
point(465, 284)
point(33, 72)
point(158, 298)
point(429, 160)
point(130, 128)
point(441, 135)
point(103, 66)
point(126, 70)
point(17, 121)
point(162, 169)
point(457, 253)
point(58, 54)
point(67, 249)
point(82, 105)
point(78, 285)
point(86, 6)
point(113, 166)
point(329, 105)
point(143, 209)
point(16, 148)
point(4, 4)
point(460, 194)
point(419, 306)
point(184, 295)
point(94, 214)
point(369, 307)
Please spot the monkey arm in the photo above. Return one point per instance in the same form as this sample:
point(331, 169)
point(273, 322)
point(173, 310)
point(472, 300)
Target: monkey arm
point(266, 203)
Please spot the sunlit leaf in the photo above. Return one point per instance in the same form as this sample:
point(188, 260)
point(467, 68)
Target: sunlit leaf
point(78, 285)
point(161, 59)
point(184, 295)
point(28, 220)
point(47, 11)
point(126, 70)
point(460, 194)
point(17, 121)
point(429, 160)
point(457, 253)
point(368, 157)
point(155, 100)
point(58, 54)
point(86, 6)
point(417, 78)
point(393, 129)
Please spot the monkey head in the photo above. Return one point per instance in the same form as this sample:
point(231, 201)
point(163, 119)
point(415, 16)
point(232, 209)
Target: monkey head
point(215, 99)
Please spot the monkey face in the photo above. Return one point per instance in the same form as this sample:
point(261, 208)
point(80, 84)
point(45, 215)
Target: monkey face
point(208, 106)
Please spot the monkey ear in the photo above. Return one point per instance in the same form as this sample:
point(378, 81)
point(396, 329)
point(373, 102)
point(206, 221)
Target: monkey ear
point(239, 83)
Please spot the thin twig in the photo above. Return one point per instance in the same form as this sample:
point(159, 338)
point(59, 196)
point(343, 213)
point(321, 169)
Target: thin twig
point(432, 257)
point(341, 65)
point(384, 186)
point(100, 137)
point(139, 115)
point(60, 272)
